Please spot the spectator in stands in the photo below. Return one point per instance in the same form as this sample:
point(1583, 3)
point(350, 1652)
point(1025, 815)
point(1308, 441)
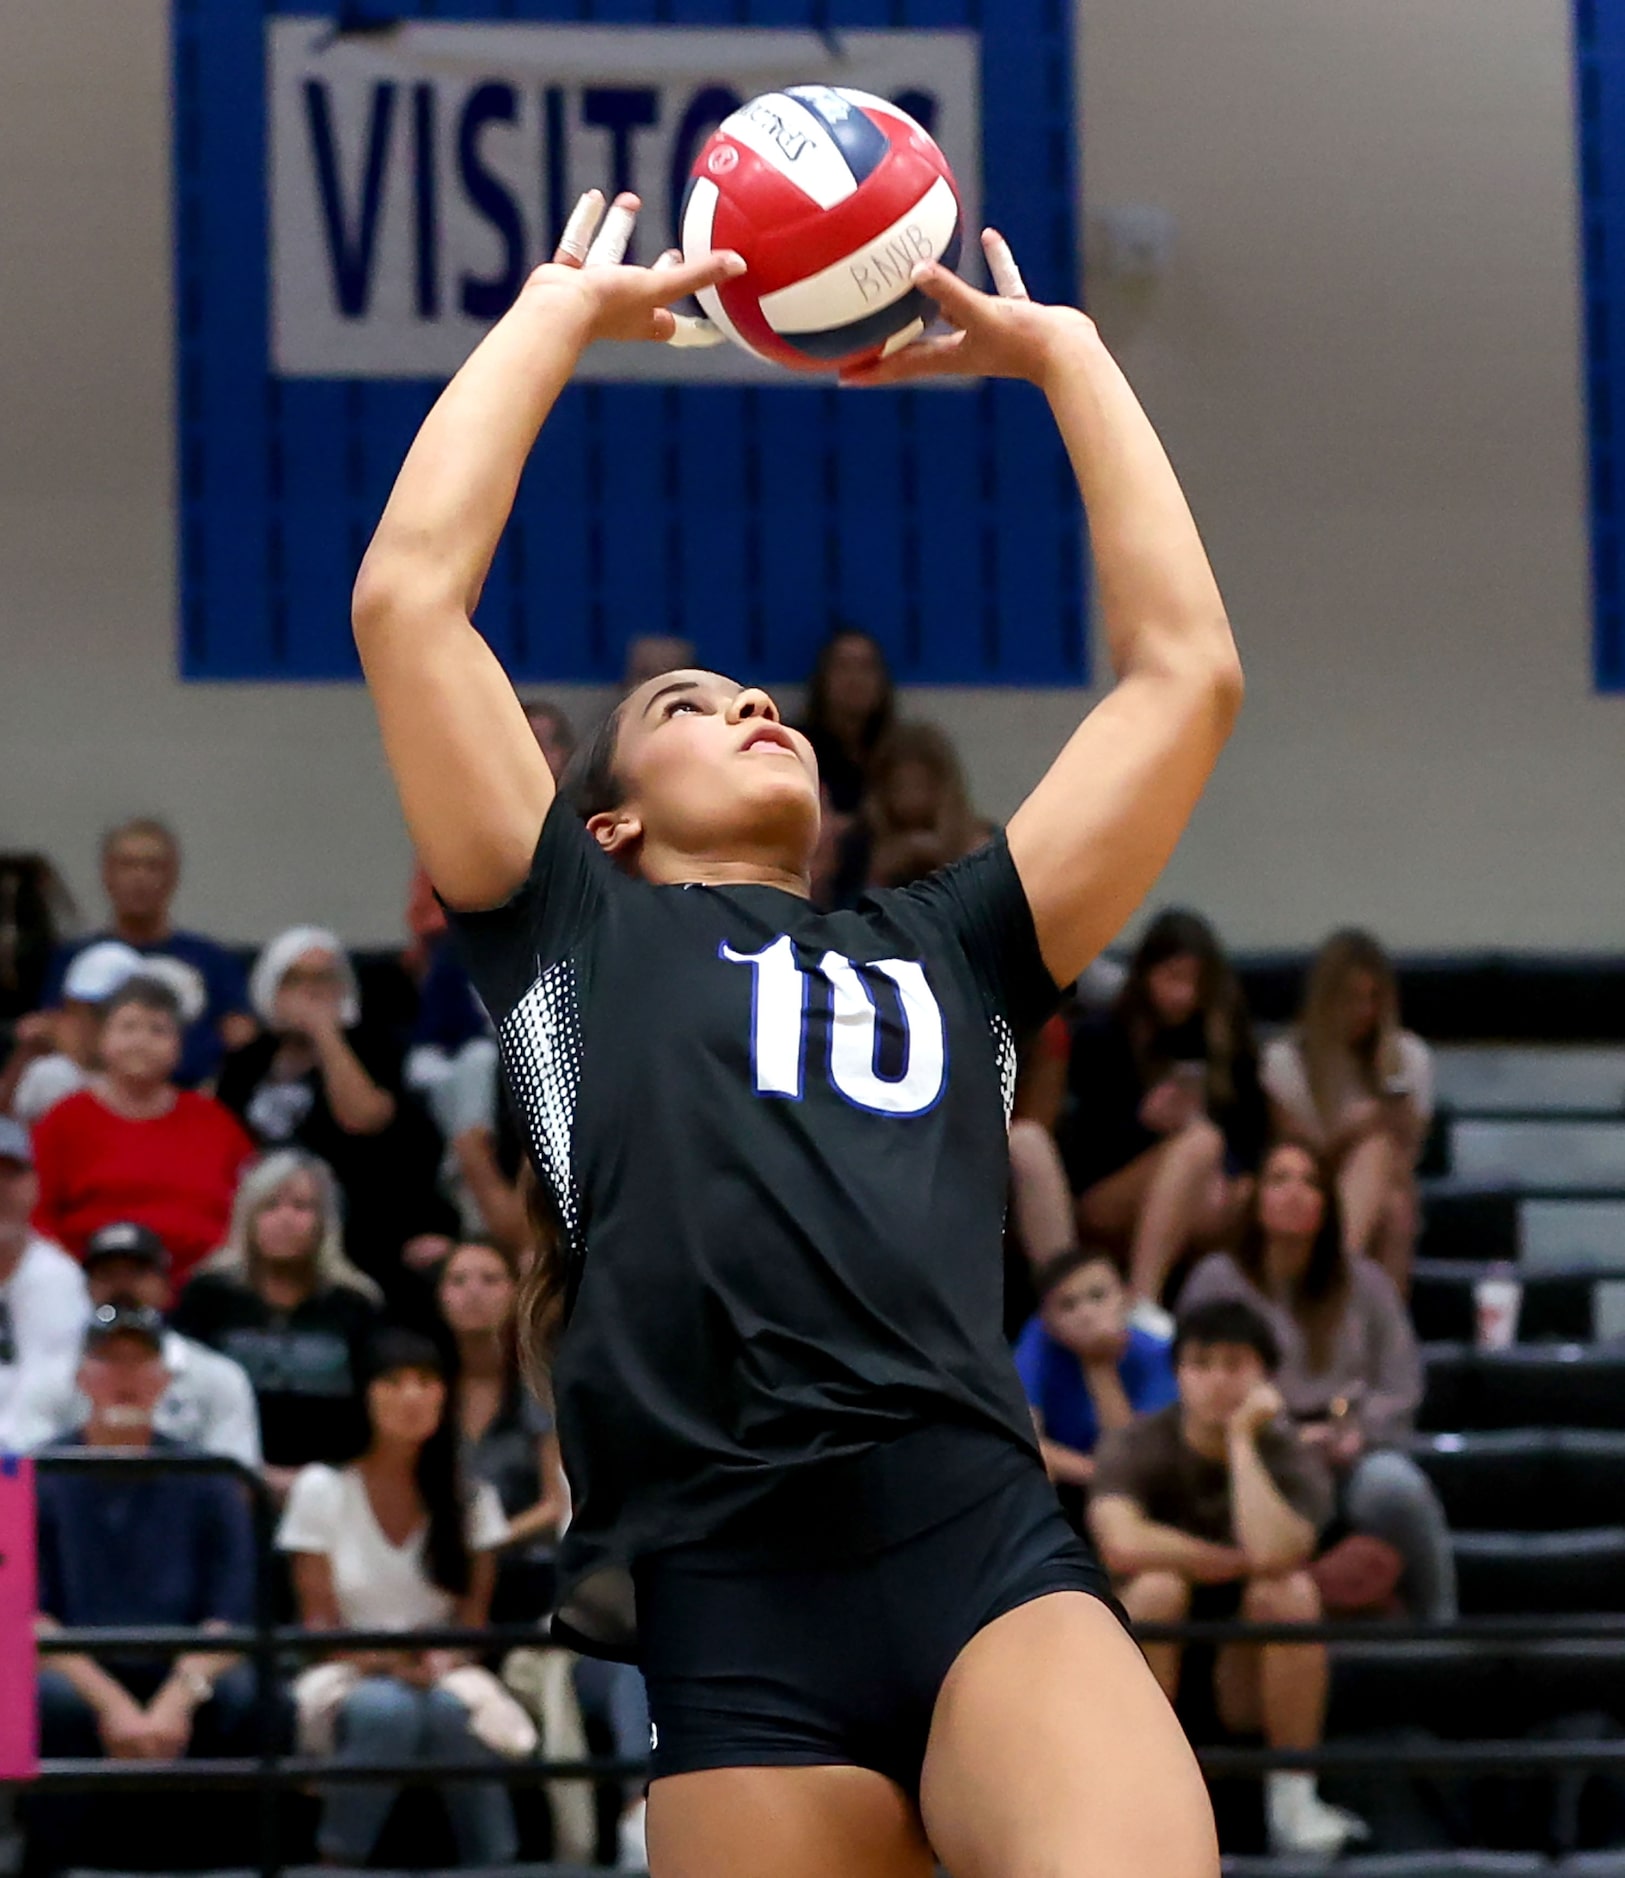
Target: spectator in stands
point(320, 1078)
point(1168, 1118)
point(209, 1404)
point(141, 868)
point(35, 911)
point(395, 1543)
point(850, 707)
point(68, 1061)
point(916, 817)
point(1085, 1368)
point(507, 1436)
point(282, 1300)
point(43, 1306)
point(1358, 1087)
point(1350, 1371)
point(134, 1145)
point(152, 1550)
point(1214, 1505)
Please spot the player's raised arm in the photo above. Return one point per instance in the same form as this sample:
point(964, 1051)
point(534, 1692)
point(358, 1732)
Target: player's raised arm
point(1092, 837)
point(472, 782)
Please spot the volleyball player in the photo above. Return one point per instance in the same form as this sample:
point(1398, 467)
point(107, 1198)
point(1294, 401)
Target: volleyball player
point(807, 1495)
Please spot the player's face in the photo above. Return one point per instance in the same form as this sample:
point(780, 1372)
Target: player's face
point(709, 769)
point(1215, 1379)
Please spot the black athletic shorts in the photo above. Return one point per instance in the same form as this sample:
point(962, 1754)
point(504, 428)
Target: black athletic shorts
point(824, 1634)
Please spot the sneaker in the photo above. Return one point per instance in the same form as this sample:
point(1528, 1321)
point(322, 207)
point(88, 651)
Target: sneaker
point(632, 1850)
point(1147, 1315)
point(1301, 1821)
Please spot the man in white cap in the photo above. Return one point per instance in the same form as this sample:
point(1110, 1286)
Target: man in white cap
point(43, 1306)
point(209, 1403)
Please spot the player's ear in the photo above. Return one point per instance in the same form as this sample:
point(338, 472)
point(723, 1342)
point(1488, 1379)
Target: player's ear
point(617, 832)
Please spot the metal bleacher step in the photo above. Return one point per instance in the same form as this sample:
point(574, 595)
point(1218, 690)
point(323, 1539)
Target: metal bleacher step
point(1500, 1079)
point(1436, 1864)
point(1468, 1691)
point(1572, 1233)
point(1526, 1479)
point(1525, 1573)
point(1566, 1154)
point(1565, 1385)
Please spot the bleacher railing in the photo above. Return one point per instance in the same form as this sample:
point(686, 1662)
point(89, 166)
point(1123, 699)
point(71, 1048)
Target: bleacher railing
point(267, 1645)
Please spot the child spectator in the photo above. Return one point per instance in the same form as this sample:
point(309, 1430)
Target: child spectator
point(1350, 1371)
point(850, 707)
point(319, 1078)
point(394, 1543)
point(1358, 1087)
point(43, 1306)
point(141, 869)
point(507, 1436)
point(209, 1404)
point(1085, 1369)
point(67, 1063)
point(157, 1550)
point(1212, 1506)
point(134, 1146)
point(1167, 1116)
point(282, 1300)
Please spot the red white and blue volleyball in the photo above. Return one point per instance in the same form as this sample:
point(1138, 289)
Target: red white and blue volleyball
point(833, 197)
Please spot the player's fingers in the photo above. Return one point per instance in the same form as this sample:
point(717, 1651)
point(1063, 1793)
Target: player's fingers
point(1007, 281)
point(925, 358)
point(612, 240)
point(577, 236)
point(690, 276)
point(959, 301)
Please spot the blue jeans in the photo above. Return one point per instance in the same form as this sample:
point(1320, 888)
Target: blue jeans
point(384, 1719)
point(614, 1694)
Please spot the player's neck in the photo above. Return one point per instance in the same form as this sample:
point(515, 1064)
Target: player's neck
point(668, 869)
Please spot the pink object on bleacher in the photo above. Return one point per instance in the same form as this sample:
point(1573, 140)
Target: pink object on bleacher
point(19, 1719)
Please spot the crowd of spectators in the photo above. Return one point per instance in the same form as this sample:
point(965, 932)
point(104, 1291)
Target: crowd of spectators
point(277, 1215)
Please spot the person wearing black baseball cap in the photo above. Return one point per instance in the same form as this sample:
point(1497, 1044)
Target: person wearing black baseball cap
point(209, 1402)
point(43, 1305)
point(155, 1550)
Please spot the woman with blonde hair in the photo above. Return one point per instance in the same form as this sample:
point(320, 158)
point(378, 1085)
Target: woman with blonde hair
point(1357, 1087)
point(916, 817)
point(283, 1300)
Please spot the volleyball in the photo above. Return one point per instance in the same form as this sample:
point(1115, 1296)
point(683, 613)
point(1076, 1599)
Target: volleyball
point(833, 197)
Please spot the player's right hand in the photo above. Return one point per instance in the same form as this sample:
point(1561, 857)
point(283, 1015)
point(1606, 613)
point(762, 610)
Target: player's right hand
point(620, 302)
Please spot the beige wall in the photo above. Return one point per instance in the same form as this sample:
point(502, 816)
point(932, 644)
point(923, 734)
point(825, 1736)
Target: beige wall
point(1364, 358)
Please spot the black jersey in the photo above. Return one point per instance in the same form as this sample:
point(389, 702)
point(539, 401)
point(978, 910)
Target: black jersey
point(776, 1142)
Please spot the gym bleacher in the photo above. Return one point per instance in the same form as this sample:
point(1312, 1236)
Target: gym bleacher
point(1526, 1445)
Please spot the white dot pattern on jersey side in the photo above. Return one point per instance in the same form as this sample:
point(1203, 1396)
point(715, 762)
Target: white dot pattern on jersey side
point(1004, 1044)
point(541, 1049)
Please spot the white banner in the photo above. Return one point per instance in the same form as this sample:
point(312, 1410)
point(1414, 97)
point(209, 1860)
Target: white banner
point(418, 174)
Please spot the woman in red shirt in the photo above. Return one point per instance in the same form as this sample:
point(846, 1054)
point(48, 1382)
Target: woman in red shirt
point(133, 1146)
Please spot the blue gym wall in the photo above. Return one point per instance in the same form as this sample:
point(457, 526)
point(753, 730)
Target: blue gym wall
point(745, 518)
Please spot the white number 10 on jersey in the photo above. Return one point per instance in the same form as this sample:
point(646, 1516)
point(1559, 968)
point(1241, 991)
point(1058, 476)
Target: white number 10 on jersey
point(779, 1029)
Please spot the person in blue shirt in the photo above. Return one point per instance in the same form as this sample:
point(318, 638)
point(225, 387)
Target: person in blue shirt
point(1085, 1368)
point(146, 1550)
point(141, 868)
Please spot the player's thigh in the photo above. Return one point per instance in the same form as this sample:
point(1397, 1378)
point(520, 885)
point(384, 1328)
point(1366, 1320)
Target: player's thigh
point(784, 1822)
point(1053, 1753)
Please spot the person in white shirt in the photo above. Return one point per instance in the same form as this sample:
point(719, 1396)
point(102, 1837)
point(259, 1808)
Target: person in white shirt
point(394, 1542)
point(1352, 1084)
point(44, 1306)
point(210, 1402)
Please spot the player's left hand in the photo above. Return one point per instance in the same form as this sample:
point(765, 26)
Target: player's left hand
point(1003, 334)
point(623, 302)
